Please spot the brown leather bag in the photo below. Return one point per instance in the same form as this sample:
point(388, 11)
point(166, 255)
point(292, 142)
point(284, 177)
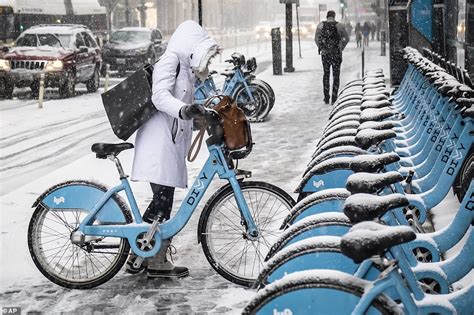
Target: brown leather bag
point(235, 124)
point(237, 133)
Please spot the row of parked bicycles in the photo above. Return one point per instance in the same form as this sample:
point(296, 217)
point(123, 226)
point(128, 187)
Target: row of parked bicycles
point(256, 97)
point(357, 241)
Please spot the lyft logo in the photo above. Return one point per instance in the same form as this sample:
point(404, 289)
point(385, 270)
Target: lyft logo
point(286, 311)
point(58, 200)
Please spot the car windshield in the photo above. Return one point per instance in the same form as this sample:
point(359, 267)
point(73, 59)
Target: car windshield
point(33, 40)
point(130, 36)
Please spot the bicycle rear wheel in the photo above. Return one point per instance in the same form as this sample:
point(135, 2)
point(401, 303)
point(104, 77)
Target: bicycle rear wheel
point(69, 265)
point(222, 231)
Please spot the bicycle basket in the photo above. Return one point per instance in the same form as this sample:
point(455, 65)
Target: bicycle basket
point(237, 132)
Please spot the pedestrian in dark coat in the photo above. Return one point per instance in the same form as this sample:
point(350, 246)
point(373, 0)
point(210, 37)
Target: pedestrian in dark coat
point(366, 33)
point(373, 28)
point(358, 33)
point(331, 38)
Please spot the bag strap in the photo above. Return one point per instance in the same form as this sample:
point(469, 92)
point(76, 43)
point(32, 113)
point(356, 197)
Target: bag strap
point(197, 140)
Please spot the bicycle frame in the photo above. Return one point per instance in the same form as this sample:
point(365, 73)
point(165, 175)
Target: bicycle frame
point(215, 164)
point(207, 88)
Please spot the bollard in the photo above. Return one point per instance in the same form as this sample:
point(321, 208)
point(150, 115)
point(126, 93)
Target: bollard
point(41, 91)
point(106, 84)
point(363, 60)
point(383, 44)
point(276, 51)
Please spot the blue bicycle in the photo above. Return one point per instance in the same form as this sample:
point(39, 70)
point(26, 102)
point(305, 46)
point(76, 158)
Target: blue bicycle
point(81, 232)
point(255, 97)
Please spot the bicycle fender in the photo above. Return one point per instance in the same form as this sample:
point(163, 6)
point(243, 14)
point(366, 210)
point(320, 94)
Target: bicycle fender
point(319, 182)
point(81, 195)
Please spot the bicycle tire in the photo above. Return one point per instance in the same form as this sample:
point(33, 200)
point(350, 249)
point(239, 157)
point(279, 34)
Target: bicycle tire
point(327, 292)
point(210, 215)
point(243, 101)
point(35, 244)
point(464, 177)
point(270, 90)
point(266, 109)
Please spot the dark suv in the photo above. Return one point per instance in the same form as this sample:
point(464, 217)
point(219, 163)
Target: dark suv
point(66, 54)
point(131, 47)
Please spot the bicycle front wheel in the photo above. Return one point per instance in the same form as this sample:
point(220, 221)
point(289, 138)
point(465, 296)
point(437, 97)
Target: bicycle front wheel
point(222, 230)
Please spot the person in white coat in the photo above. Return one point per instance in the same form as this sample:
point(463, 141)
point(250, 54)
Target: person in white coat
point(162, 143)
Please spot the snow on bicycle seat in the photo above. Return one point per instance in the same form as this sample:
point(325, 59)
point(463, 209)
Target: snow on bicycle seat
point(372, 163)
point(375, 114)
point(468, 112)
point(373, 86)
point(371, 183)
point(366, 138)
point(368, 239)
point(374, 97)
point(367, 207)
point(375, 104)
point(465, 102)
point(376, 92)
point(102, 150)
point(460, 91)
point(379, 125)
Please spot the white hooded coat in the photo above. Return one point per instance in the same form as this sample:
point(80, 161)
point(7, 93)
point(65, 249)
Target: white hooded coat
point(162, 143)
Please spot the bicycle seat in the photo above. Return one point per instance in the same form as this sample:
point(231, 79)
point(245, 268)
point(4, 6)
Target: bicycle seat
point(374, 98)
point(375, 104)
point(228, 73)
point(102, 150)
point(468, 112)
point(377, 125)
point(372, 163)
point(367, 239)
point(366, 138)
point(366, 207)
point(465, 102)
point(371, 183)
point(374, 114)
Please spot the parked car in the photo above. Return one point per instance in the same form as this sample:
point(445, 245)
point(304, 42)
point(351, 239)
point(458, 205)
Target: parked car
point(66, 54)
point(131, 47)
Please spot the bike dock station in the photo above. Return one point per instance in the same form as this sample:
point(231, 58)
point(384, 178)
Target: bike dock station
point(358, 239)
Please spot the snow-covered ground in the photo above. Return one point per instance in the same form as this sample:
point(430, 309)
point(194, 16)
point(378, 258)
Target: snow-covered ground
point(41, 147)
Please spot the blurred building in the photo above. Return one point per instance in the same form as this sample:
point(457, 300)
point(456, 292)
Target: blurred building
point(218, 15)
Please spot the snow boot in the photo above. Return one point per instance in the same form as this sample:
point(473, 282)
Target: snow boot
point(160, 267)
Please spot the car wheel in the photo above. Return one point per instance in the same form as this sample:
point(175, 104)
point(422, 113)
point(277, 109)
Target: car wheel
point(34, 89)
point(69, 86)
point(8, 89)
point(93, 83)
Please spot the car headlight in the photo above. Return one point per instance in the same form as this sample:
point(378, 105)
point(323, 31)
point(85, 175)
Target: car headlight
point(4, 65)
point(142, 50)
point(54, 65)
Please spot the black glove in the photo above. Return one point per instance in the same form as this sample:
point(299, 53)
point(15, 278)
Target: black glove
point(188, 112)
point(200, 122)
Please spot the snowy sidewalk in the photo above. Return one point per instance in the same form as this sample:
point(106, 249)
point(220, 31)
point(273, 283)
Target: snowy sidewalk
point(283, 147)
